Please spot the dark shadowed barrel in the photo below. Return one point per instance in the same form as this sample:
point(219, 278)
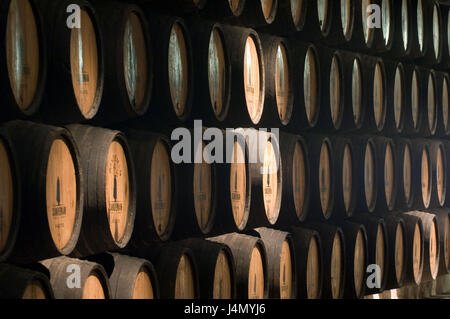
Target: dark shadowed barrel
point(404, 36)
point(217, 273)
point(212, 72)
point(296, 179)
point(334, 259)
point(431, 249)
point(133, 278)
point(77, 279)
point(178, 7)
point(405, 177)
point(19, 283)
point(176, 268)
point(10, 196)
point(439, 190)
point(173, 92)
point(443, 224)
point(23, 68)
point(356, 248)
point(396, 98)
point(309, 262)
point(396, 254)
point(76, 65)
point(323, 177)
point(414, 249)
point(433, 40)
point(157, 191)
point(250, 260)
point(422, 169)
point(52, 193)
point(442, 91)
point(290, 18)
point(110, 191)
point(128, 63)
point(378, 250)
point(282, 268)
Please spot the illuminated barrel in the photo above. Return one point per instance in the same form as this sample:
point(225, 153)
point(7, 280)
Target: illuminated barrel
point(433, 40)
point(23, 67)
point(442, 97)
point(290, 18)
point(396, 253)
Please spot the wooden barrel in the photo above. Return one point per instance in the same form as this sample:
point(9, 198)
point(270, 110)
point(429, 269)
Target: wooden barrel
point(413, 116)
point(367, 173)
point(353, 92)
point(396, 98)
point(346, 187)
point(356, 249)
point(20, 283)
point(421, 163)
point(396, 253)
point(279, 83)
point(337, 19)
point(197, 202)
point(375, 88)
point(404, 35)
point(176, 268)
point(296, 179)
point(383, 38)
point(217, 275)
point(93, 281)
point(109, 196)
point(250, 260)
point(332, 101)
point(443, 224)
point(307, 100)
point(323, 177)
point(290, 18)
point(378, 249)
point(212, 61)
point(318, 20)
point(173, 92)
point(433, 40)
point(414, 249)
point(248, 77)
point(282, 276)
point(266, 173)
point(417, 28)
point(386, 182)
point(334, 256)
point(23, 74)
point(405, 177)
point(133, 278)
point(431, 248)
point(52, 193)
point(10, 197)
point(309, 262)
point(442, 93)
point(430, 117)
point(157, 192)
point(129, 63)
point(438, 158)
point(76, 95)
point(445, 48)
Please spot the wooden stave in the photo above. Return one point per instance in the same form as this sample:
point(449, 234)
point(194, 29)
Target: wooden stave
point(123, 289)
point(351, 231)
point(200, 31)
point(427, 220)
point(115, 105)
point(17, 198)
point(59, 80)
point(327, 233)
point(392, 222)
point(162, 106)
point(32, 243)
point(301, 238)
point(442, 216)
point(206, 253)
point(90, 242)
point(410, 224)
point(339, 143)
point(14, 281)
point(288, 214)
point(371, 224)
point(270, 116)
point(11, 109)
point(57, 268)
point(314, 143)
point(161, 256)
point(241, 247)
point(145, 232)
point(400, 147)
point(273, 241)
point(235, 38)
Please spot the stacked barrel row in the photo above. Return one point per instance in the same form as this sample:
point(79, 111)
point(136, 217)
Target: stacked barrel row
point(83, 190)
